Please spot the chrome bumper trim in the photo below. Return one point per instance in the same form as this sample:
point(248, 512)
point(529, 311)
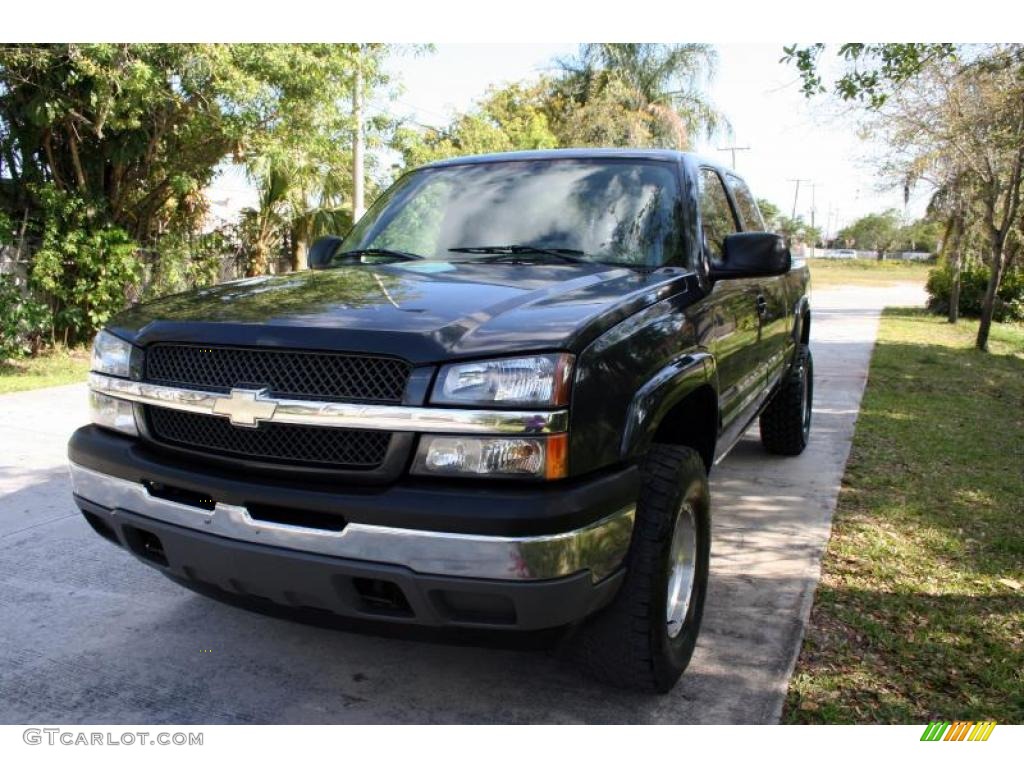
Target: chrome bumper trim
point(395, 418)
point(598, 548)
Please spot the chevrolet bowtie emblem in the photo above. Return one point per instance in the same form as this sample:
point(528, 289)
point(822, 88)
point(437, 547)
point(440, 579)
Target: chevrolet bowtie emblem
point(245, 407)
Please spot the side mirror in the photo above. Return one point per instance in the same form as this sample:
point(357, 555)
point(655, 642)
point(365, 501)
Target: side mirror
point(322, 251)
point(752, 254)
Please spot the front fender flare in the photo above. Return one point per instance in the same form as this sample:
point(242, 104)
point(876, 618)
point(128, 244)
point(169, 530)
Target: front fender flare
point(660, 394)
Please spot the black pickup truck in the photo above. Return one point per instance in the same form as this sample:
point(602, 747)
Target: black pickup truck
point(493, 404)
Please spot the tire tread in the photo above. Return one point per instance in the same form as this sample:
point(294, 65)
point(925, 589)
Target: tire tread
point(625, 659)
point(781, 422)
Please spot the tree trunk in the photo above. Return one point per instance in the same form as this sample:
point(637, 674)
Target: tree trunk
point(258, 260)
point(881, 254)
point(955, 262)
point(989, 302)
point(76, 161)
point(299, 249)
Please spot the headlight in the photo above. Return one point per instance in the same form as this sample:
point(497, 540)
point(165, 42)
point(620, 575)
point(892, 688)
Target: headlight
point(112, 413)
point(111, 355)
point(536, 457)
point(537, 380)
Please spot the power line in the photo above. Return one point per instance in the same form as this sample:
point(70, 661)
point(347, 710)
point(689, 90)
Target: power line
point(385, 109)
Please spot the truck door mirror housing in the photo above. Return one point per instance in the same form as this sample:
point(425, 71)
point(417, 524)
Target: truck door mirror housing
point(752, 254)
point(322, 251)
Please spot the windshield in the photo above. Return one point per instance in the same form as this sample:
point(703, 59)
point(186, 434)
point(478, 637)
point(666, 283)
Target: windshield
point(615, 211)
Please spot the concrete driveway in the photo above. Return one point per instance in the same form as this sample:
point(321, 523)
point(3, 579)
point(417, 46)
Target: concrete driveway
point(89, 635)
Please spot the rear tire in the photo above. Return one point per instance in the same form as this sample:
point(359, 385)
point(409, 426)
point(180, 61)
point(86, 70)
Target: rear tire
point(644, 639)
point(786, 422)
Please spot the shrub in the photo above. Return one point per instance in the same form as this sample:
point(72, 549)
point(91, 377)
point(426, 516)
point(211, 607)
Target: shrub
point(24, 321)
point(6, 229)
point(84, 266)
point(182, 261)
point(1009, 304)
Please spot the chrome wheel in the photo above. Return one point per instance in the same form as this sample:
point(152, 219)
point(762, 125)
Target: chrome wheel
point(682, 563)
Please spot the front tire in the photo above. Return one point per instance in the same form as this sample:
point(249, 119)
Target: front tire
point(786, 421)
point(645, 638)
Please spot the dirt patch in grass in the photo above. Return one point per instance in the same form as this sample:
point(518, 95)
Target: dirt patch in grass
point(920, 610)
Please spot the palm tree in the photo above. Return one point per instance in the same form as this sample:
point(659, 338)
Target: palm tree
point(264, 225)
point(651, 93)
point(319, 208)
point(297, 197)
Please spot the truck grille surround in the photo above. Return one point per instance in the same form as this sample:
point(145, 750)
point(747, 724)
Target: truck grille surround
point(285, 374)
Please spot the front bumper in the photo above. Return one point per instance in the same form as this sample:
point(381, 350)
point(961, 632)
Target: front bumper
point(196, 528)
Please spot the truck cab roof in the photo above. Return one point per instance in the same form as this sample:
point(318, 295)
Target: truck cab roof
point(583, 153)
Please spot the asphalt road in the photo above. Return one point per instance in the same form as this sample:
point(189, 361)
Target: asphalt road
point(89, 635)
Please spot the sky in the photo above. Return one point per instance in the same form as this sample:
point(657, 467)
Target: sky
point(789, 137)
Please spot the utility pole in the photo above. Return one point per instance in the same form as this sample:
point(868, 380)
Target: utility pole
point(796, 193)
point(796, 196)
point(358, 143)
point(733, 150)
point(814, 208)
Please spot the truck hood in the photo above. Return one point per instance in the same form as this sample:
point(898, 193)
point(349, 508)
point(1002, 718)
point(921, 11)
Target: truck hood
point(422, 311)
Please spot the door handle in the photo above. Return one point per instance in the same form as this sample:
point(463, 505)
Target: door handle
point(762, 304)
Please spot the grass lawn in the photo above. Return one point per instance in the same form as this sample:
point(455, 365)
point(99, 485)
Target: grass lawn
point(920, 611)
point(62, 366)
point(833, 273)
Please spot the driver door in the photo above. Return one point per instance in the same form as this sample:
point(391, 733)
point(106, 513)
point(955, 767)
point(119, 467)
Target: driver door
point(736, 334)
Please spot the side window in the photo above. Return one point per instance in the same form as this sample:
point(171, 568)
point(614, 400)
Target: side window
point(715, 212)
point(745, 203)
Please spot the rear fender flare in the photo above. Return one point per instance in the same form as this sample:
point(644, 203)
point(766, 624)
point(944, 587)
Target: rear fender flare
point(800, 310)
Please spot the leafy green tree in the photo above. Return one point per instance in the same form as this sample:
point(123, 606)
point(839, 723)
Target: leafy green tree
point(116, 142)
point(871, 72)
point(953, 117)
point(137, 129)
point(877, 232)
point(770, 212)
point(505, 119)
point(635, 94)
point(302, 164)
point(795, 230)
point(922, 235)
point(140, 128)
point(965, 122)
point(639, 95)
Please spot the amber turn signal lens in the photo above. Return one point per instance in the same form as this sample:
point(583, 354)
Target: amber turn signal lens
point(557, 457)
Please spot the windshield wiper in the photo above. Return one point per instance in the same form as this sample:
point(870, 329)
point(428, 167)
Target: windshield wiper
point(360, 252)
point(566, 254)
